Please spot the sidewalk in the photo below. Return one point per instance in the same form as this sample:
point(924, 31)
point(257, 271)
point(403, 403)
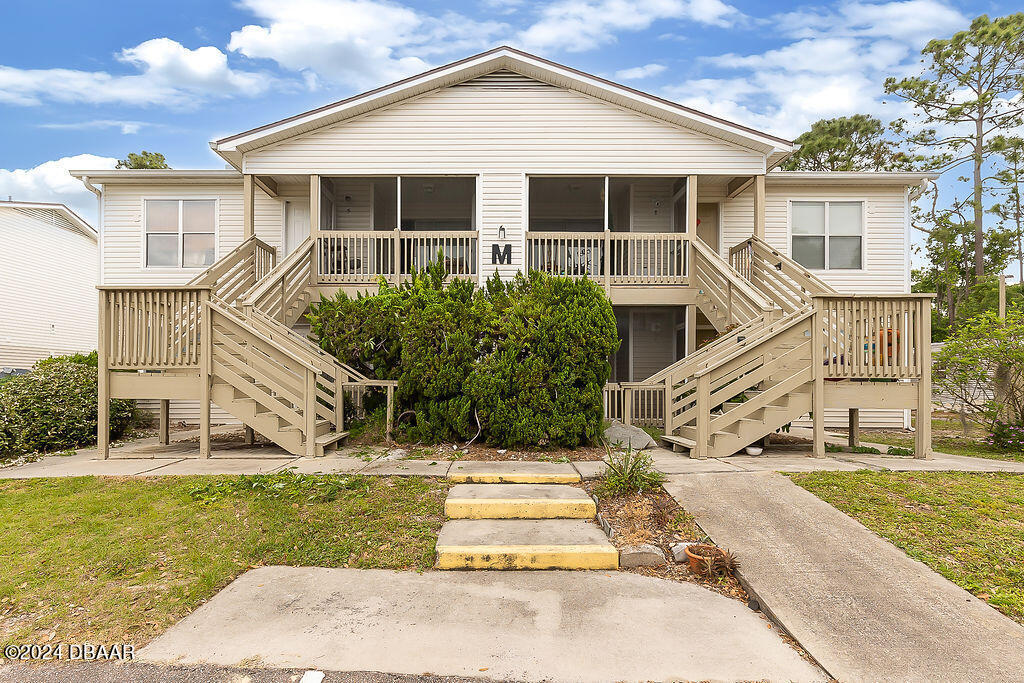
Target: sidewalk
point(523, 626)
point(859, 605)
point(147, 458)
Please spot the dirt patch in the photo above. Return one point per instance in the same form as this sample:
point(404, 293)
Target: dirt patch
point(485, 452)
point(656, 518)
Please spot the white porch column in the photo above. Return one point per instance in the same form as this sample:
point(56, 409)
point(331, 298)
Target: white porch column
point(759, 200)
point(248, 206)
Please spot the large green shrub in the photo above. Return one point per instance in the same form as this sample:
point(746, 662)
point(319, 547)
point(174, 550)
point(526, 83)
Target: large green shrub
point(525, 362)
point(542, 379)
point(54, 408)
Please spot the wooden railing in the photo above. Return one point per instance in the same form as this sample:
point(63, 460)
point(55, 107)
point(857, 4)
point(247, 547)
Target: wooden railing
point(779, 277)
point(361, 257)
point(729, 292)
point(238, 271)
point(616, 257)
point(875, 336)
point(152, 327)
point(635, 403)
point(291, 279)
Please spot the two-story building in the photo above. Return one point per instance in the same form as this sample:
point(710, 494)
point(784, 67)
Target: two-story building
point(505, 162)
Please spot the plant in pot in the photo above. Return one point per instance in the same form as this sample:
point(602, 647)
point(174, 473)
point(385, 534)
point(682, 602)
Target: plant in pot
point(711, 561)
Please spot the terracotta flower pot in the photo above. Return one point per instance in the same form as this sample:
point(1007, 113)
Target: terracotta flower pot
point(697, 564)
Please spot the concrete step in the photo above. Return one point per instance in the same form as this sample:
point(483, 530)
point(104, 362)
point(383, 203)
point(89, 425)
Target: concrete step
point(473, 472)
point(518, 501)
point(524, 544)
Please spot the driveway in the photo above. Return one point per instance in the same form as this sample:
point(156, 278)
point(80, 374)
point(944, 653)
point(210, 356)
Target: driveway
point(533, 626)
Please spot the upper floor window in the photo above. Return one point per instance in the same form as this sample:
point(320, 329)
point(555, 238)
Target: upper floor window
point(828, 235)
point(180, 233)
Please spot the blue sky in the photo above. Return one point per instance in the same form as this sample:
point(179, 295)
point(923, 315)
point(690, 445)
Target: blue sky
point(82, 84)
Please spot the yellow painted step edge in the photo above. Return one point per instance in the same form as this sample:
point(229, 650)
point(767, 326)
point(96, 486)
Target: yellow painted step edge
point(545, 478)
point(518, 508)
point(527, 557)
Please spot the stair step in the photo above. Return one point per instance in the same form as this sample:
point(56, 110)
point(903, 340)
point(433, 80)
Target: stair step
point(678, 440)
point(524, 544)
point(513, 473)
point(518, 501)
point(328, 441)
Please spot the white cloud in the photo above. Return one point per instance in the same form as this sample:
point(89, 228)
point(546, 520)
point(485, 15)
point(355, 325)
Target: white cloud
point(356, 42)
point(580, 25)
point(834, 66)
point(169, 74)
point(50, 182)
point(638, 72)
point(127, 127)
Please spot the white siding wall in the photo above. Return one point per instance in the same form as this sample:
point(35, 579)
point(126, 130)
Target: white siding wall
point(123, 240)
point(48, 300)
point(886, 251)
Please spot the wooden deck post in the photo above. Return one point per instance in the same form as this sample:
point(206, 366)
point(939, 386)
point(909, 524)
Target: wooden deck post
point(818, 389)
point(309, 413)
point(627, 405)
point(165, 422)
point(923, 435)
point(854, 436)
point(759, 201)
point(691, 226)
point(249, 437)
point(703, 436)
point(248, 206)
point(103, 381)
point(390, 410)
point(205, 369)
point(314, 230)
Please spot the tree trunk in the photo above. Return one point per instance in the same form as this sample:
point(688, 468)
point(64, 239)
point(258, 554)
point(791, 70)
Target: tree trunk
point(979, 211)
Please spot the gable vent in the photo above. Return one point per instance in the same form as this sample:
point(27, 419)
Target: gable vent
point(505, 80)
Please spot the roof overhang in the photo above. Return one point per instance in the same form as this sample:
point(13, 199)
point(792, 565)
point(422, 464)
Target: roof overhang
point(906, 179)
point(63, 210)
point(163, 176)
point(233, 147)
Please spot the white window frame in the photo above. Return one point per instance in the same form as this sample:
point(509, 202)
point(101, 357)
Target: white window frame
point(832, 200)
point(181, 241)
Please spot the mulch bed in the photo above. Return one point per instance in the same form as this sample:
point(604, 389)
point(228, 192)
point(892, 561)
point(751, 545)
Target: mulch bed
point(485, 452)
point(655, 518)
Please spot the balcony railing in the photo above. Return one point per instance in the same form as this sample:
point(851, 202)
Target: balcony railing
point(622, 257)
point(360, 257)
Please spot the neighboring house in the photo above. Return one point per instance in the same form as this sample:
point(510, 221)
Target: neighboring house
point(47, 285)
point(506, 162)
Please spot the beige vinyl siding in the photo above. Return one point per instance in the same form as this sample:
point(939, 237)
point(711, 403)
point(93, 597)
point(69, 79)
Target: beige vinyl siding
point(48, 300)
point(518, 126)
point(651, 205)
point(502, 203)
point(123, 240)
point(886, 252)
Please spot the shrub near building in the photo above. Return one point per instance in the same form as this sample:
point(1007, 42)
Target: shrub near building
point(525, 362)
point(54, 407)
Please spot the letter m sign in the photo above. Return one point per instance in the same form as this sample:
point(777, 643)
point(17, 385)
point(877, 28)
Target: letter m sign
point(501, 254)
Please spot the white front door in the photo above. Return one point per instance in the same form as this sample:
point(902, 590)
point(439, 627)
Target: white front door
point(296, 223)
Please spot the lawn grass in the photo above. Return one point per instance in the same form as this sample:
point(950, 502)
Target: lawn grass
point(947, 437)
point(968, 526)
point(119, 560)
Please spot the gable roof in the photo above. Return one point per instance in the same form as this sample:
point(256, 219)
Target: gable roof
point(61, 214)
point(233, 147)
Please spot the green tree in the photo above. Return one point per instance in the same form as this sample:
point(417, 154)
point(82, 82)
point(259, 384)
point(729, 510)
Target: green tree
point(1010, 212)
point(143, 159)
point(848, 143)
point(967, 93)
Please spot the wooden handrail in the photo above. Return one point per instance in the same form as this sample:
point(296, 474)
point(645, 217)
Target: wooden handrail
point(817, 285)
point(760, 337)
point(303, 250)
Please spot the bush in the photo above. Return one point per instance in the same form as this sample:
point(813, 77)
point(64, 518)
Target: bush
point(985, 357)
point(523, 362)
point(629, 472)
point(1007, 436)
point(54, 408)
point(90, 359)
point(542, 378)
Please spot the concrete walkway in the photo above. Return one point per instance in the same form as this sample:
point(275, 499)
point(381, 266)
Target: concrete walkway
point(859, 605)
point(532, 626)
point(145, 457)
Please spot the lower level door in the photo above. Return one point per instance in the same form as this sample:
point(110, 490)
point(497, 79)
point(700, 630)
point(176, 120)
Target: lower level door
point(296, 223)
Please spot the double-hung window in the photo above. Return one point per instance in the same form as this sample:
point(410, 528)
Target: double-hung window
point(828, 235)
point(180, 233)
